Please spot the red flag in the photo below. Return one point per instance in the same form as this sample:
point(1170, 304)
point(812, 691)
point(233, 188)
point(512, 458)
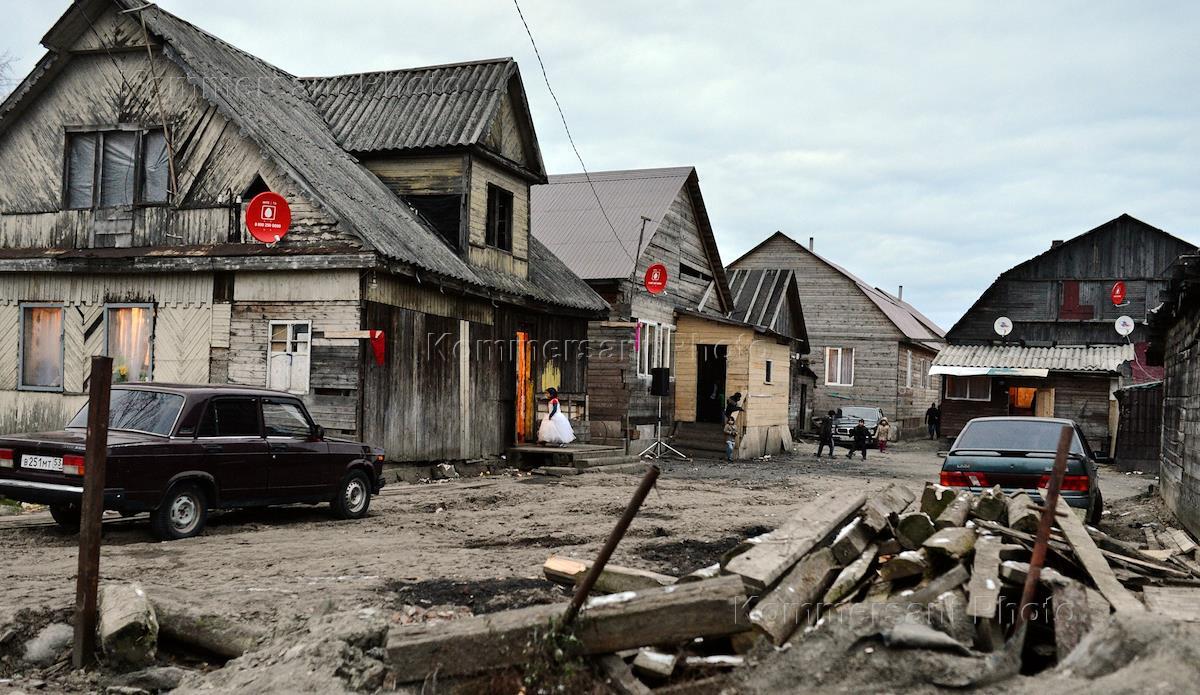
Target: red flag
point(378, 346)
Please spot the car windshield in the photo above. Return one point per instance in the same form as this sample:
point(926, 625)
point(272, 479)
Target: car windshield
point(138, 410)
point(1013, 435)
point(863, 413)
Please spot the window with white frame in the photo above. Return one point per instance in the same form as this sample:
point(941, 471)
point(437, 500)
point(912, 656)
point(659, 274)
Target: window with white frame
point(909, 373)
point(41, 347)
point(839, 366)
point(288, 356)
point(655, 347)
point(968, 388)
point(129, 341)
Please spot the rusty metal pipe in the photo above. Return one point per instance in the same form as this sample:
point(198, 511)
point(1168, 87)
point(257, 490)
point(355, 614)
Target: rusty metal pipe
point(1042, 540)
point(618, 532)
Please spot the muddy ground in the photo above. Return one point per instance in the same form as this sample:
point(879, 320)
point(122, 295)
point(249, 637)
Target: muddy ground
point(456, 547)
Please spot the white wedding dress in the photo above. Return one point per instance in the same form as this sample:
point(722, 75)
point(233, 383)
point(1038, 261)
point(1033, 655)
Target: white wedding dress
point(556, 429)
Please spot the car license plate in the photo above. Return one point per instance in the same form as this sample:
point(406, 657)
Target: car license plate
point(41, 463)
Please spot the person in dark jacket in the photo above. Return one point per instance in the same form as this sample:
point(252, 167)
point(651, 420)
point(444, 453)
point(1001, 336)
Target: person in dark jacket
point(733, 404)
point(933, 421)
point(861, 436)
point(825, 435)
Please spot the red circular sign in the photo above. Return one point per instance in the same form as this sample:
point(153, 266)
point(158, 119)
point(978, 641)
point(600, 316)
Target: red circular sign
point(268, 217)
point(656, 278)
point(1118, 293)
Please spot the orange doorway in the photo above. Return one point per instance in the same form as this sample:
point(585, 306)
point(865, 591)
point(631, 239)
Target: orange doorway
point(1020, 400)
point(524, 400)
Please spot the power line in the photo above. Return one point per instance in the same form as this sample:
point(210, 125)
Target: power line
point(571, 139)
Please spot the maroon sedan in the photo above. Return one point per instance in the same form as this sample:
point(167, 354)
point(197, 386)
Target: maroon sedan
point(177, 451)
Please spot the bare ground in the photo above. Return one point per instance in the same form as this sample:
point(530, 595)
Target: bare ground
point(451, 548)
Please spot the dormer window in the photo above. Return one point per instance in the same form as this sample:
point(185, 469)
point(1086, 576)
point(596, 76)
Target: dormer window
point(499, 218)
point(117, 167)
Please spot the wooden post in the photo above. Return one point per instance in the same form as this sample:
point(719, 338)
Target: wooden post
point(95, 457)
point(1042, 540)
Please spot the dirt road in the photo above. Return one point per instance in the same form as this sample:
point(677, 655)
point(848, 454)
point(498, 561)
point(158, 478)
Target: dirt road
point(477, 542)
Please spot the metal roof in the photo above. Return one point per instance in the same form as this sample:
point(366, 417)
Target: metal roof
point(276, 111)
point(1091, 358)
point(416, 108)
point(566, 218)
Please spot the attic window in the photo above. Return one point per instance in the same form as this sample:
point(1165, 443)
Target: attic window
point(689, 271)
point(117, 167)
point(499, 218)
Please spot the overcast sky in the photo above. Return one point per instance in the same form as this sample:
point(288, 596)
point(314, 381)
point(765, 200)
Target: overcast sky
point(929, 144)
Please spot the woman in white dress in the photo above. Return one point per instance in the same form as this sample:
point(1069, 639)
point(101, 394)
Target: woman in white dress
point(556, 428)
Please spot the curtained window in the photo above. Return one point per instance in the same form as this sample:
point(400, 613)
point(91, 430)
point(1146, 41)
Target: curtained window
point(42, 347)
point(130, 332)
point(116, 168)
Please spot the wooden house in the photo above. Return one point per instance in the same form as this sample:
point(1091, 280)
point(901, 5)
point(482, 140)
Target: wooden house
point(128, 156)
point(1175, 344)
point(869, 348)
point(647, 217)
point(1064, 356)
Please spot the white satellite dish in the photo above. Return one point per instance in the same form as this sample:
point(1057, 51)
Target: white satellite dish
point(1002, 326)
point(1124, 325)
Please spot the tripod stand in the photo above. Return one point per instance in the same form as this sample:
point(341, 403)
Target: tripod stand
point(659, 446)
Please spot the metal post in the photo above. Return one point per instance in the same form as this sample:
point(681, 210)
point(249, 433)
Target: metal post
point(95, 457)
point(610, 545)
point(1049, 507)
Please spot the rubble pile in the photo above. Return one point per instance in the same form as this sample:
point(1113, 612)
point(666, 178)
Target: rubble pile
point(850, 578)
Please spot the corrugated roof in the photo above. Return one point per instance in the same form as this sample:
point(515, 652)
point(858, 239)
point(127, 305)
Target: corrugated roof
point(275, 110)
point(566, 218)
point(760, 296)
point(1092, 358)
point(437, 106)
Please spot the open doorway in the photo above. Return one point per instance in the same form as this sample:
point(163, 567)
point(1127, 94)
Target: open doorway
point(710, 382)
point(1021, 400)
point(524, 397)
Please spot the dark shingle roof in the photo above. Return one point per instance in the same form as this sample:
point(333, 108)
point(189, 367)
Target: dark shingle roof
point(761, 297)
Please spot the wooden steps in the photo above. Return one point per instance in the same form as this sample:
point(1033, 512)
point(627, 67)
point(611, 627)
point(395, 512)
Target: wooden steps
point(529, 456)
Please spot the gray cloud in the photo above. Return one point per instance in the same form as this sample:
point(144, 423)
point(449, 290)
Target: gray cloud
point(930, 144)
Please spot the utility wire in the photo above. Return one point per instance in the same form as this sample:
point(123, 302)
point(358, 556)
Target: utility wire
point(571, 139)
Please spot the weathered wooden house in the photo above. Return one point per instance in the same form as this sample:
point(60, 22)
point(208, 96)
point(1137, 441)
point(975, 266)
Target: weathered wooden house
point(651, 216)
point(1064, 356)
point(126, 160)
point(869, 348)
point(1175, 338)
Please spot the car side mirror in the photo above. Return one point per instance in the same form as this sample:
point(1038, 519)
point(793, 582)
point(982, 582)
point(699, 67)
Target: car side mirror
point(319, 432)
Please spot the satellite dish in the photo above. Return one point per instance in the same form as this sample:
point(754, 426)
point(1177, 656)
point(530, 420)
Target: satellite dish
point(1124, 325)
point(1002, 326)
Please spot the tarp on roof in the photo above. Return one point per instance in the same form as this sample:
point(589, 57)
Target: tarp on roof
point(954, 359)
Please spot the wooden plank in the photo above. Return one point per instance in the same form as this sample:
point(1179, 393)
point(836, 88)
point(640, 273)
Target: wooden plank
point(619, 677)
point(350, 335)
point(608, 624)
point(1094, 563)
point(614, 578)
point(788, 605)
point(984, 589)
point(1178, 602)
point(763, 564)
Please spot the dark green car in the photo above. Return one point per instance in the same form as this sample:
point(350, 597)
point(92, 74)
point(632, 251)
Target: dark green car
point(1017, 453)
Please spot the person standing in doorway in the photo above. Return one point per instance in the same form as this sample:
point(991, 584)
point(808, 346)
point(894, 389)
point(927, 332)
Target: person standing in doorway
point(861, 435)
point(825, 434)
point(730, 437)
point(882, 432)
point(933, 421)
point(733, 404)
point(555, 430)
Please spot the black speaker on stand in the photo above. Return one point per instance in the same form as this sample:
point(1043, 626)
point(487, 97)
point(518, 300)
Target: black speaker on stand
point(660, 385)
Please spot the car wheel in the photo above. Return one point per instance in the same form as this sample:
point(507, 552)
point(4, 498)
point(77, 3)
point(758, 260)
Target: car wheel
point(1097, 512)
point(182, 513)
point(66, 515)
point(353, 496)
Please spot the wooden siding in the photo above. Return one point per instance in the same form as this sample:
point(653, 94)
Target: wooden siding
point(385, 289)
point(745, 370)
point(517, 262)
point(676, 241)
point(908, 414)
point(182, 335)
point(838, 314)
point(420, 175)
point(1079, 397)
point(332, 397)
point(296, 287)
point(1140, 432)
point(1039, 295)
point(505, 135)
point(214, 162)
point(1179, 472)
